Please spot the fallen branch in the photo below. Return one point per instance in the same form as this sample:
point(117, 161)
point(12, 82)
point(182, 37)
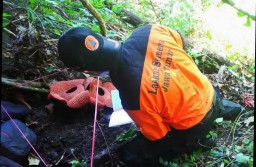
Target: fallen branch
point(26, 85)
point(10, 32)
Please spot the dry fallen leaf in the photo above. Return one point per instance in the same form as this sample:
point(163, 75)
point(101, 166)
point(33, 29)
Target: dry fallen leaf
point(249, 120)
point(33, 160)
point(20, 97)
point(49, 107)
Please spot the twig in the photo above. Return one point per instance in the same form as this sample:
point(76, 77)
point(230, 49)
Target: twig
point(19, 96)
point(221, 72)
point(106, 143)
point(234, 129)
point(8, 3)
point(19, 19)
point(51, 40)
point(33, 54)
point(63, 14)
point(207, 155)
point(60, 158)
point(10, 32)
point(232, 4)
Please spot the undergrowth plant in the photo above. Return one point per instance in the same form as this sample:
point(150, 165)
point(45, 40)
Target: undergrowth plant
point(233, 147)
point(76, 163)
point(205, 63)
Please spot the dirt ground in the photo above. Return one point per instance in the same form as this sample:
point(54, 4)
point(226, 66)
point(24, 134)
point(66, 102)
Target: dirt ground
point(66, 134)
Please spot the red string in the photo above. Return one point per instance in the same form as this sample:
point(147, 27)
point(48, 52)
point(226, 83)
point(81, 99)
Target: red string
point(94, 127)
point(24, 136)
point(94, 124)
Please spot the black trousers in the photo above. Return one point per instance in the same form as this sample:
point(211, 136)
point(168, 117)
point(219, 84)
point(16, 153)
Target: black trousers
point(142, 152)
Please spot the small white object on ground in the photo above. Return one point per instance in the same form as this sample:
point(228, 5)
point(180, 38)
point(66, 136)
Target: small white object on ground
point(119, 116)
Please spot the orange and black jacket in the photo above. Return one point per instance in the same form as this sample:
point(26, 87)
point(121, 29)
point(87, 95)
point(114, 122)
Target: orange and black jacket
point(160, 86)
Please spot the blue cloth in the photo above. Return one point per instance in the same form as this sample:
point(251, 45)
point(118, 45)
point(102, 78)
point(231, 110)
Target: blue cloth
point(5, 162)
point(13, 144)
point(16, 110)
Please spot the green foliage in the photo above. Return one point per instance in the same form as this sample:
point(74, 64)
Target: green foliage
point(187, 160)
point(117, 9)
point(240, 157)
point(5, 16)
point(58, 16)
point(95, 28)
point(208, 35)
point(206, 4)
point(97, 3)
point(248, 145)
point(195, 56)
point(127, 135)
point(248, 19)
point(204, 62)
point(219, 120)
point(178, 15)
point(181, 19)
point(241, 13)
point(50, 14)
point(50, 69)
point(167, 163)
point(76, 163)
point(217, 153)
point(211, 134)
point(223, 123)
point(244, 67)
point(238, 152)
point(191, 158)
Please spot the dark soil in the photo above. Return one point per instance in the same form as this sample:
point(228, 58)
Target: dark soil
point(66, 134)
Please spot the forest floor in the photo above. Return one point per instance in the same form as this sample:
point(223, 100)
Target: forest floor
point(66, 135)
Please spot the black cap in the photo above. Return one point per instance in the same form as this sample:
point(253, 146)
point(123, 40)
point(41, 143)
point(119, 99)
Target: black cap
point(83, 49)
